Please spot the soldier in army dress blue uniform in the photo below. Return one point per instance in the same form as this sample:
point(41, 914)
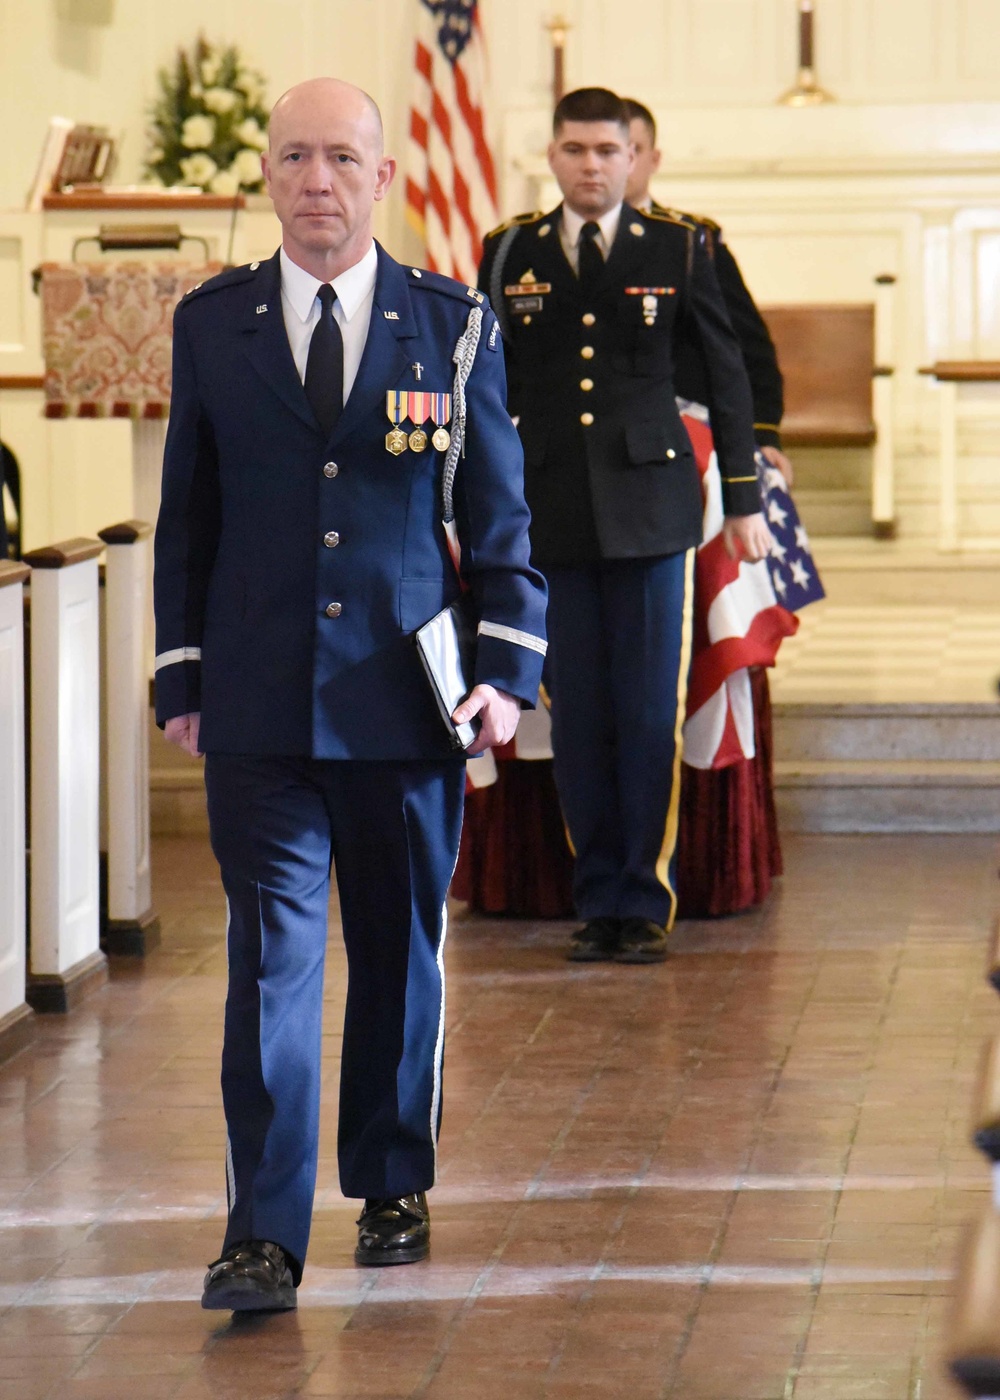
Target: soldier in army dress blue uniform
point(299, 545)
point(595, 299)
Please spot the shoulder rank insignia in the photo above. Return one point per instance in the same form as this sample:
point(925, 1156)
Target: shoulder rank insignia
point(670, 216)
point(518, 219)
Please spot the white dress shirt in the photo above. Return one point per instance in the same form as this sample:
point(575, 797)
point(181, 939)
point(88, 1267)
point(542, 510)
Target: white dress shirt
point(352, 310)
point(572, 224)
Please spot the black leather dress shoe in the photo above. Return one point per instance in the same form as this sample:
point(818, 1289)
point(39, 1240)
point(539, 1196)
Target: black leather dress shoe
point(597, 941)
point(641, 941)
point(396, 1231)
point(252, 1276)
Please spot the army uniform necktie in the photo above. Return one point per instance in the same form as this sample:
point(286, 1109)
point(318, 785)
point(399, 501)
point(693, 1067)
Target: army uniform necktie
point(324, 381)
point(591, 261)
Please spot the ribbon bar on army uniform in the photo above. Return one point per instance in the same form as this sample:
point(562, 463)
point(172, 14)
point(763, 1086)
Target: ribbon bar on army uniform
point(650, 291)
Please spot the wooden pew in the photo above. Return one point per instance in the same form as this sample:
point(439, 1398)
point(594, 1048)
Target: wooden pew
point(15, 1014)
point(131, 926)
point(974, 1337)
point(838, 388)
point(956, 380)
point(66, 961)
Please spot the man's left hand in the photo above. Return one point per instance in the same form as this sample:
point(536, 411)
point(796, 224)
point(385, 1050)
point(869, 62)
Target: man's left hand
point(747, 537)
point(774, 457)
point(499, 713)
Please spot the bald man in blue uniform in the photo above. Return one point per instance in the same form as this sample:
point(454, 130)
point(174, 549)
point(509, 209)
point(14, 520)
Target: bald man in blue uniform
point(299, 547)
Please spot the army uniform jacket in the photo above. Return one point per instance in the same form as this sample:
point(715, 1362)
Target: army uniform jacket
point(609, 470)
point(292, 568)
point(759, 355)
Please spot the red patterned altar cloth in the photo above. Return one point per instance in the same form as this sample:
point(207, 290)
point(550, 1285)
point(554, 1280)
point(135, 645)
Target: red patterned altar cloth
point(106, 333)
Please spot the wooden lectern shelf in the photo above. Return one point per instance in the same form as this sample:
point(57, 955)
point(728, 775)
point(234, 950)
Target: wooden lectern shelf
point(152, 199)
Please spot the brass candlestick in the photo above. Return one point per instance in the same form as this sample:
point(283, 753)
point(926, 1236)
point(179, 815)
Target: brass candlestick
point(806, 92)
point(558, 29)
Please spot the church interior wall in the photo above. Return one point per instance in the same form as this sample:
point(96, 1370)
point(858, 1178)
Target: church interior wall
point(900, 175)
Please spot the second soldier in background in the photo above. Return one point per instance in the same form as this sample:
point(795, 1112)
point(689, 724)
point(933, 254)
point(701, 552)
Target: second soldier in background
point(595, 299)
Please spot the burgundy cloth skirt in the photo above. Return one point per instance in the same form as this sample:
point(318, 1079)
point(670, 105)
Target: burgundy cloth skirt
point(514, 859)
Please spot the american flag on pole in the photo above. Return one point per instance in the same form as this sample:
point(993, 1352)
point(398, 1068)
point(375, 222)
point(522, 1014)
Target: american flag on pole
point(742, 611)
point(451, 187)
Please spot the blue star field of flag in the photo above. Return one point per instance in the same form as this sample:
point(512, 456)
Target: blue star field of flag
point(792, 568)
point(454, 20)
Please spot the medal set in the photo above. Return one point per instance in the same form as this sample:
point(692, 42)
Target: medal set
point(650, 300)
point(418, 406)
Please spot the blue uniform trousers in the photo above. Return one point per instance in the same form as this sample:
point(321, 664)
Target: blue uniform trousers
point(619, 653)
point(392, 830)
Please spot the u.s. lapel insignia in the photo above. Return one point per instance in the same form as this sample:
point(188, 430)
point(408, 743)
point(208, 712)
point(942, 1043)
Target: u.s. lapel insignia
point(262, 308)
point(391, 315)
point(491, 344)
point(636, 230)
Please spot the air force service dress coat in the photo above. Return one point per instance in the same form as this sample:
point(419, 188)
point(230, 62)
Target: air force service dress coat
point(592, 379)
point(292, 568)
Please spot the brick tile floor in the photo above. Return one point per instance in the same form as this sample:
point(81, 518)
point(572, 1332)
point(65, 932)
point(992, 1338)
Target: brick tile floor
point(737, 1176)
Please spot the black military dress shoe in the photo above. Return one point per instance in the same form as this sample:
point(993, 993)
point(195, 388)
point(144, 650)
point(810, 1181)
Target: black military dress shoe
point(394, 1231)
point(252, 1276)
point(641, 941)
point(597, 941)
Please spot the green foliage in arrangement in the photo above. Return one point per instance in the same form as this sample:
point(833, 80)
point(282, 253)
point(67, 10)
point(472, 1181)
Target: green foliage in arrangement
point(208, 126)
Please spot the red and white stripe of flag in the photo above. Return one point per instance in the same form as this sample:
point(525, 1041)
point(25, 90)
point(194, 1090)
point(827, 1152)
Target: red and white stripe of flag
point(451, 187)
point(738, 622)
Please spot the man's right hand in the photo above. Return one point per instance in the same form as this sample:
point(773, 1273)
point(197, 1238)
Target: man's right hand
point(182, 730)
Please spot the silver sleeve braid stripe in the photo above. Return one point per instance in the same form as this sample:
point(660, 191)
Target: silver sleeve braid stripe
point(463, 358)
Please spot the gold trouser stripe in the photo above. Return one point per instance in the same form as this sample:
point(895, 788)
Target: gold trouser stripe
point(673, 812)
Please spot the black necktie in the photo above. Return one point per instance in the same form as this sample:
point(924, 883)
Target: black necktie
point(591, 261)
point(324, 382)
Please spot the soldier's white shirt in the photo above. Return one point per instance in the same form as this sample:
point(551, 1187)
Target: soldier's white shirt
point(352, 310)
point(570, 228)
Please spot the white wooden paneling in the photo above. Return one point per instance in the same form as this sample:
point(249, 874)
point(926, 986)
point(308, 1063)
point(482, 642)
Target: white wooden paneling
point(900, 48)
point(12, 818)
point(65, 757)
point(20, 322)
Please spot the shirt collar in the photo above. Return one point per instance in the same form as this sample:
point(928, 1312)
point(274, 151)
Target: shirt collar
point(352, 287)
point(608, 224)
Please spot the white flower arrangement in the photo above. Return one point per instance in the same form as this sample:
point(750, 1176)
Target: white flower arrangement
point(208, 125)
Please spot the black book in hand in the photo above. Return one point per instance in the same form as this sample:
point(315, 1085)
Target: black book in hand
point(446, 646)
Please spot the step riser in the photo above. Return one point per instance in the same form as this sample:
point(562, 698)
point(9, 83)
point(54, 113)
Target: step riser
point(858, 740)
point(810, 733)
point(943, 810)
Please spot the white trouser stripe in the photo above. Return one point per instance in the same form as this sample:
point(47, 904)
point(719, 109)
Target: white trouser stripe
point(439, 1044)
point(511, 634)
point(170, 658)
